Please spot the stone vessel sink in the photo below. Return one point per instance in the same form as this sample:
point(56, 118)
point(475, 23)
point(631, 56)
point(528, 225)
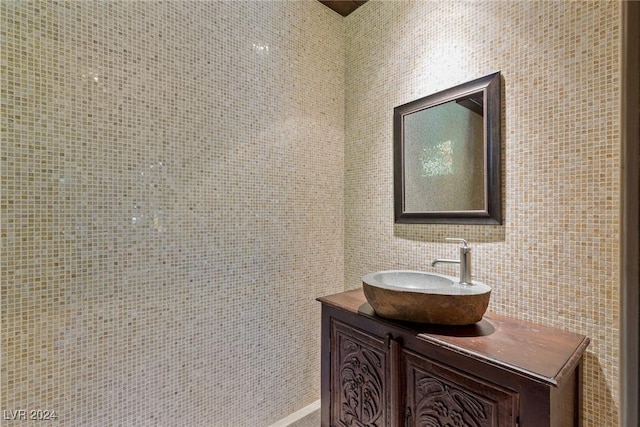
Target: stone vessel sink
point(417, 296)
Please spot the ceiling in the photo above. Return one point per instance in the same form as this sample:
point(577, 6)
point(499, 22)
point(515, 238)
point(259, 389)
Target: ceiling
point(343, 7)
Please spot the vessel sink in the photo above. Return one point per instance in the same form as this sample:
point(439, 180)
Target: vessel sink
point(422, 297)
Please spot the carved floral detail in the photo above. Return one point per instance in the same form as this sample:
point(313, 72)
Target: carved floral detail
point(361, 380)
point(440, 405)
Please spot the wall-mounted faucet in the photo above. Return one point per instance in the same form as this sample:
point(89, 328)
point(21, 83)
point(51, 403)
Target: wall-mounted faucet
point(464, 261)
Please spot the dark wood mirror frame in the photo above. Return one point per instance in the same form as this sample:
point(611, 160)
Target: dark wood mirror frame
point(491, 214)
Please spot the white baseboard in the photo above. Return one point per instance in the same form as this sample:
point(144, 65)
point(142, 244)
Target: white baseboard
point(298, 415)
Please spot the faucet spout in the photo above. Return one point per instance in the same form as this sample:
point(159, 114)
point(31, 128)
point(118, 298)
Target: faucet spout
point(445, 261)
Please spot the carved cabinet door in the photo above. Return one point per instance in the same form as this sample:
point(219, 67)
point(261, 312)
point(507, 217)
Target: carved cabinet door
point(439, 396)
point(360, 383)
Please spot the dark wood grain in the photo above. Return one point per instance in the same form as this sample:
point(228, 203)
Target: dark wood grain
point(343, 7)
point(362, 389)
point(540, 352)
point(532, 371)
point(445, 396)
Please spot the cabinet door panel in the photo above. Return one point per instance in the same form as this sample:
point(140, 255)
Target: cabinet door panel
point(360, 392)
point(439, 396)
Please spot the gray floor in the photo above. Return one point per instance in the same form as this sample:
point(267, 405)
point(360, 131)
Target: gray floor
point(311, 420)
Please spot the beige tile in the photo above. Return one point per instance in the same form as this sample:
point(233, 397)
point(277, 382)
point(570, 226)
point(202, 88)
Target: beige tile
point(555, 259)
point(172, 205)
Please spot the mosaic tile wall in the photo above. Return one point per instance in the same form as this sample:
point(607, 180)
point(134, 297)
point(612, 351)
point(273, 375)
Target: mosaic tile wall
point(172, 205)
point(555, 260)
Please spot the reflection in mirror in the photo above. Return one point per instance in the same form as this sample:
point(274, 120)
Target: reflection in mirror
point(446, 156)
point(440, 152)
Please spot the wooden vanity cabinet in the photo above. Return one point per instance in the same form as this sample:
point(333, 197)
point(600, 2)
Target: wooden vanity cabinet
point(498, 372)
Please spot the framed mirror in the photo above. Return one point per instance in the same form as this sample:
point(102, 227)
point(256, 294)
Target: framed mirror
point(446, 156)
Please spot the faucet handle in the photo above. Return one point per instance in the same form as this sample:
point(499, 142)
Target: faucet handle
point(457, 239)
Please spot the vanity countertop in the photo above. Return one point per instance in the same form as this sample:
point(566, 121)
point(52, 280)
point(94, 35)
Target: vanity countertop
point(542, 353)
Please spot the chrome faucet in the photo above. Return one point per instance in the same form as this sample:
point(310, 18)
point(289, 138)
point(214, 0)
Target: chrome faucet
point(464, 261)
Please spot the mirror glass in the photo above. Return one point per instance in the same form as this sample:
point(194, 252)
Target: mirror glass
point(447, 156)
